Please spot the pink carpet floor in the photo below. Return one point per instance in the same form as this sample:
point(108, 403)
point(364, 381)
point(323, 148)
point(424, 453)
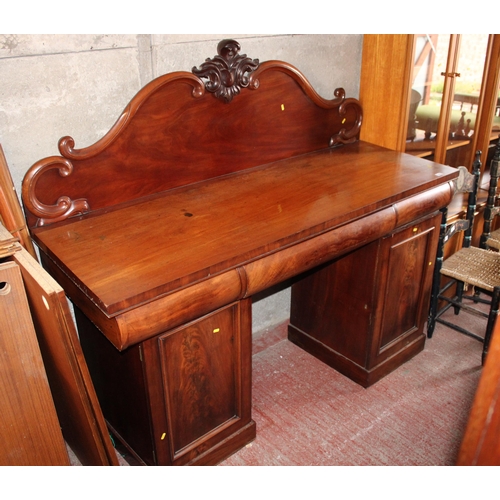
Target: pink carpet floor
point(309, 414)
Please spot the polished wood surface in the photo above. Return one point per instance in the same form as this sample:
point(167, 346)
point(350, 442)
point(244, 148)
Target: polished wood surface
point(180, 239)
point(204, 377)
point(76, 403)
point(385, 82)
point(488, 102)
point(386, 300)
point(186, 235)
point(183, 397)
point(199, 197)
point(385, 88)
point(481, 442)
point(174, 133)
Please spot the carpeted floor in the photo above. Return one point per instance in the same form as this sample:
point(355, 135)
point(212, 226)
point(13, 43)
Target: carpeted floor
point(308, 414)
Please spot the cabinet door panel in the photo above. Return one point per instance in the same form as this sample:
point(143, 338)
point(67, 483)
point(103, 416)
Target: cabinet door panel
point(199, 387)
point(406, 271)
point(405, 286)
point(198, 366)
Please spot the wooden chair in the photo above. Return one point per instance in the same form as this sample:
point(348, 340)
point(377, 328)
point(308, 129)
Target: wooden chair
point(492, 240)
point(469, 266)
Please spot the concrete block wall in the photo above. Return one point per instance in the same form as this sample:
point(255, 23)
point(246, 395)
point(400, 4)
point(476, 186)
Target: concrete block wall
point(77, 85)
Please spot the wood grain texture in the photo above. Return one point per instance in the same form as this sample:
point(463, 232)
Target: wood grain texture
point(29, 427)
point(183, 397)
point(11, 214)
point(364, 314)
point(385, 84)
point(205, 370)
point(173, 133)
point(481, 442)
point(193, 202)
point(227, 249)
point(74, 397)
point(195, 232)
point(76, 403)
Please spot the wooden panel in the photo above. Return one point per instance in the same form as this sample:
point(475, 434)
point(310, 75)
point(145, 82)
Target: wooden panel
point(488, 104)
point(196, 232)
point(201, 370)
point(325, 303)
point(366, 320)
point(481, 442)
point(11, 215)
point(183, 397)
point(29, 428)
point(409, 263)
point(74, 396)
point(119, 381)
point(171, 310)
point(174, 133)
point(200, 394)
point(385, 89)
point(76, 402)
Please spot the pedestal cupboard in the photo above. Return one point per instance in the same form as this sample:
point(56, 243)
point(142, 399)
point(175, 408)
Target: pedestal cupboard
point(364, 313)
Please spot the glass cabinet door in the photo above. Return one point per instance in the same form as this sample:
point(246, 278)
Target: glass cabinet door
point(446, 85)
point(469, 69)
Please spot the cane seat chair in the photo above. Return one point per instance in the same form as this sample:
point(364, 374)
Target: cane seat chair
point(470, 266)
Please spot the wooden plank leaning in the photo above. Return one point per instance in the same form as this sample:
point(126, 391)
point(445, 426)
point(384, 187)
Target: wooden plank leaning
point(78, 409)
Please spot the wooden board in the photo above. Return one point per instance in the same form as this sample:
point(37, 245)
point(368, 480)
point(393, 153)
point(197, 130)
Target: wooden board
point(29, 428)
point(11, 214)
point(77, 406)
point(481, 442)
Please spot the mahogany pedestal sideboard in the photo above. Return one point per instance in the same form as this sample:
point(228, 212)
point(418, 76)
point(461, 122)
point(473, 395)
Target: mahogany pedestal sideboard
point(206, 193)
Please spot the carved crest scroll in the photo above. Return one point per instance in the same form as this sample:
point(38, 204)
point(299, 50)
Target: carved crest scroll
point(228, 72)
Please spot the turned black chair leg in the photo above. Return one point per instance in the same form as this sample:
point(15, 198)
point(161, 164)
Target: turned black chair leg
point(460, 294)
point(436, 278)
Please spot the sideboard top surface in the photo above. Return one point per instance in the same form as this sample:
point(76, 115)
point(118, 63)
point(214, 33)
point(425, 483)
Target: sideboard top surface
point(167, 241)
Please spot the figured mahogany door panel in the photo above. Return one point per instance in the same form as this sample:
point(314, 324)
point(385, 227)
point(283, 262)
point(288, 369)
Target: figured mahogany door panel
point(29, 427)
point(199, 373)
point(408, 258)
point(205, 381)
